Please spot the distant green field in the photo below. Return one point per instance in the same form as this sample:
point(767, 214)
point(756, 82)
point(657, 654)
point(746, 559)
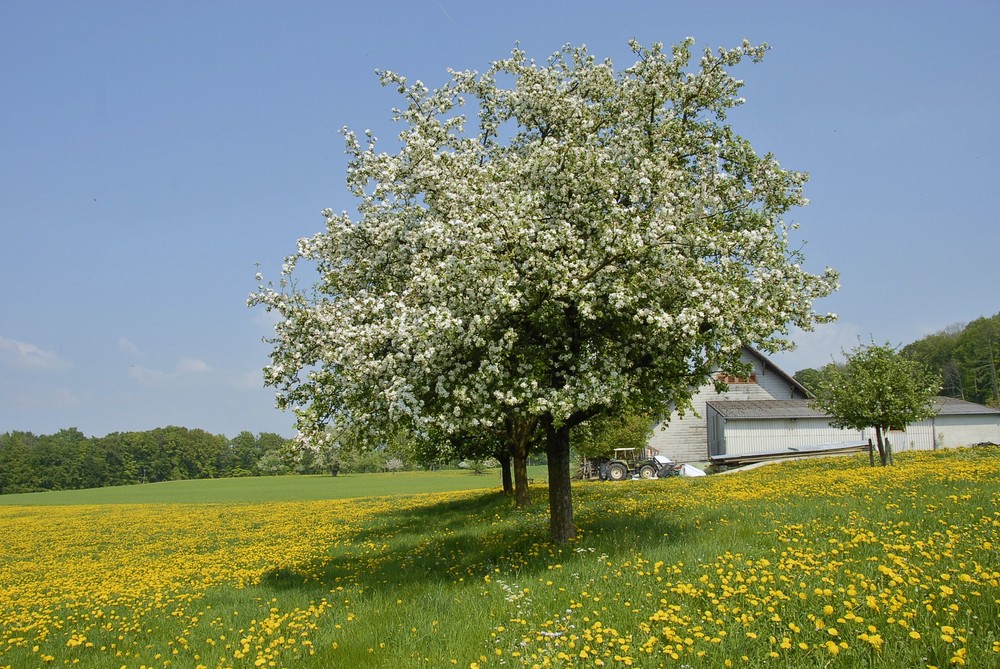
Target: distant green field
point(272, 488)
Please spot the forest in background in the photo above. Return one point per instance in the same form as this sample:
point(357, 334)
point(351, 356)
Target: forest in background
point(966, 355)
point(69, 459)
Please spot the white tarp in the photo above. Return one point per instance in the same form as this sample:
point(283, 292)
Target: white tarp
point(688, 470)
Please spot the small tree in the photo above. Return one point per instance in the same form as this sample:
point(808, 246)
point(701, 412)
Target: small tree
point(878, 388)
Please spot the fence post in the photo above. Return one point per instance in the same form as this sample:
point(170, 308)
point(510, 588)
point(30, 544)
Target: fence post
point(871, 452)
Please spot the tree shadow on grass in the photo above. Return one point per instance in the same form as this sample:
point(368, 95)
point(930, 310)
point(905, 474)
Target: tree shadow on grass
point(466, 538)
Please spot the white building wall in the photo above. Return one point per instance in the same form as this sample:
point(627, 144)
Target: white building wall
point(945, 431)
point(965, 430)
point(916, 437)
point(746, 437)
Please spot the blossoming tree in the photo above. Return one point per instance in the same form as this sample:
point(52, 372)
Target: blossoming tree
point(591, 241)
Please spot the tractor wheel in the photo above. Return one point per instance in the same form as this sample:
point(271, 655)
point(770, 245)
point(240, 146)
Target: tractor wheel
point(647, 472)
point(617, 471)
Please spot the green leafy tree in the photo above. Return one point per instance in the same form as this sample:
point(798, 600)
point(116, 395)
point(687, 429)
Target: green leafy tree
point(813, 379)
point(594, 240)
point(245, 450)
point(15, 462)
point(968, 357)
point(510, 444)
point(978, 349)
point(600, 436)
point(881, 389)
point(938, 352)
point(274, 463)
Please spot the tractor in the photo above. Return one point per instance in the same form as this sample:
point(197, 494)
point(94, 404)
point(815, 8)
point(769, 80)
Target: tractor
point(629, 463)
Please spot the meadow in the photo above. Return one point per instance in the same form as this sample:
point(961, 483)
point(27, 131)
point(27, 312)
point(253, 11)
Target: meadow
point(819, 563)
point(270, 488)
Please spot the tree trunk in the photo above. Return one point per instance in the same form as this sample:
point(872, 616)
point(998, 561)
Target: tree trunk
point(881, 446)
point(506, 480)
point(520, 432)
point(560, 491)
point(522, 494)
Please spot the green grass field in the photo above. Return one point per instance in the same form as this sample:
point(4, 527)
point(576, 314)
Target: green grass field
point(813, 564)
point(272, 488)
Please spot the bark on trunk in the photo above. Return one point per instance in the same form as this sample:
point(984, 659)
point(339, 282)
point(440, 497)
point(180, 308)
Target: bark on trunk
point(560, 491)
point(520, 432)
point(881, 446)
point(522, 495)
point(506, 479)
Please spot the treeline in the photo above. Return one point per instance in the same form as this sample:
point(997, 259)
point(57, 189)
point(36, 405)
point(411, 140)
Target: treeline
point(966, 356)
point(69, 459)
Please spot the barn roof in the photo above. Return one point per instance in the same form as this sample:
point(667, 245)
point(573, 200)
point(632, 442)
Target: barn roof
point(761, 409)
point(953, 407)
point(777, 409)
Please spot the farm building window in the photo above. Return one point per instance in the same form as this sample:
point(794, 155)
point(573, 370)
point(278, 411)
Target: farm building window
point(734, 380)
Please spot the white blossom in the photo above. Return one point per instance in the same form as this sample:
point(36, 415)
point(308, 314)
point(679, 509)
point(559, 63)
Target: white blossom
point(587, 239)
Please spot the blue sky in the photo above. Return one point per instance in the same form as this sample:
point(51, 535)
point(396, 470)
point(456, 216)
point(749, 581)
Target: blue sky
point(153, 153)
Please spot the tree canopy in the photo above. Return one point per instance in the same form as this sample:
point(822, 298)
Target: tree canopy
point(596, 241)
point(878, 388)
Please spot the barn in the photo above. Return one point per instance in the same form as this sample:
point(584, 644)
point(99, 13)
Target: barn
point(685, 438)
point(768, 415)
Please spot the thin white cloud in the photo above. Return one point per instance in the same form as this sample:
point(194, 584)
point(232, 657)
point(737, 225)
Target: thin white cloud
point(22, 355)
point(127, 347)
point(186, 368)
point(146, 375)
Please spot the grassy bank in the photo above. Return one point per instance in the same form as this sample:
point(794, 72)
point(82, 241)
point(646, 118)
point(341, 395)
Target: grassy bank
point(271, 488)
point(824, 563)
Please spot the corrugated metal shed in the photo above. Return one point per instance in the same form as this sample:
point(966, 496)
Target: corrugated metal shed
point(759, 428)
point(771, 409)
